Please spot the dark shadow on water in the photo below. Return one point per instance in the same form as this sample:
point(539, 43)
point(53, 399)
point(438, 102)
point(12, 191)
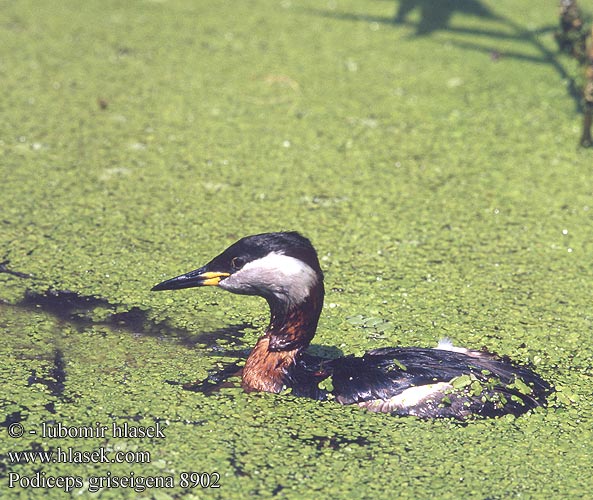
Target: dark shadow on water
point(435, 16)
point(334, 442)
point(6, 270)
point(216, 380)
point(55, 380)
point(79, 311)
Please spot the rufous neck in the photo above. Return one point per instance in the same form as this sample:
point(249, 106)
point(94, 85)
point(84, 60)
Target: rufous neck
point(293, 326)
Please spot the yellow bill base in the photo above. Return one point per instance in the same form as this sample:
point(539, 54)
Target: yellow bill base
point(212, 278)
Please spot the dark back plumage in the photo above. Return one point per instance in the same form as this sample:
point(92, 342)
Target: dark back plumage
point(384, 373)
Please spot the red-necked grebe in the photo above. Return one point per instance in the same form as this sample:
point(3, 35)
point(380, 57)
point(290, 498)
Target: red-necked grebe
point(446, 381)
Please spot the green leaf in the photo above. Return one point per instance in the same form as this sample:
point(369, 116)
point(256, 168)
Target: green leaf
point(476, 388)
point(521, 386)
point(461, 381)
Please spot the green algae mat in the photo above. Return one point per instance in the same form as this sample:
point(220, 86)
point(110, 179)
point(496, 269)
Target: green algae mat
point(429, 152)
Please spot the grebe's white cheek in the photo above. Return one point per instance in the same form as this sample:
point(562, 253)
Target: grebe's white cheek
point(276, 274)
point(242, 281)
point(287, 277)
point(229, 284)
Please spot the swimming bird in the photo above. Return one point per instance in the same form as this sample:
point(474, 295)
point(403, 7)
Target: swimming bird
point(445, 381)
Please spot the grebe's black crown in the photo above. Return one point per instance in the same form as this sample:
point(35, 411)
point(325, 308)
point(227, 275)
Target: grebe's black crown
point(239, 254)
point(257, 246)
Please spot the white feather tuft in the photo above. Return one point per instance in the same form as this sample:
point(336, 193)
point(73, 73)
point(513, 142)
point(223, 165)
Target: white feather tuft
point(446, 344)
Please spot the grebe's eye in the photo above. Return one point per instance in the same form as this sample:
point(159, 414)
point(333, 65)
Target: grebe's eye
point(237, 263)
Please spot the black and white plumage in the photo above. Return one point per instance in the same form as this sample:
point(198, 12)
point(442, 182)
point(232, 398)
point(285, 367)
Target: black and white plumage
point(446, 381)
